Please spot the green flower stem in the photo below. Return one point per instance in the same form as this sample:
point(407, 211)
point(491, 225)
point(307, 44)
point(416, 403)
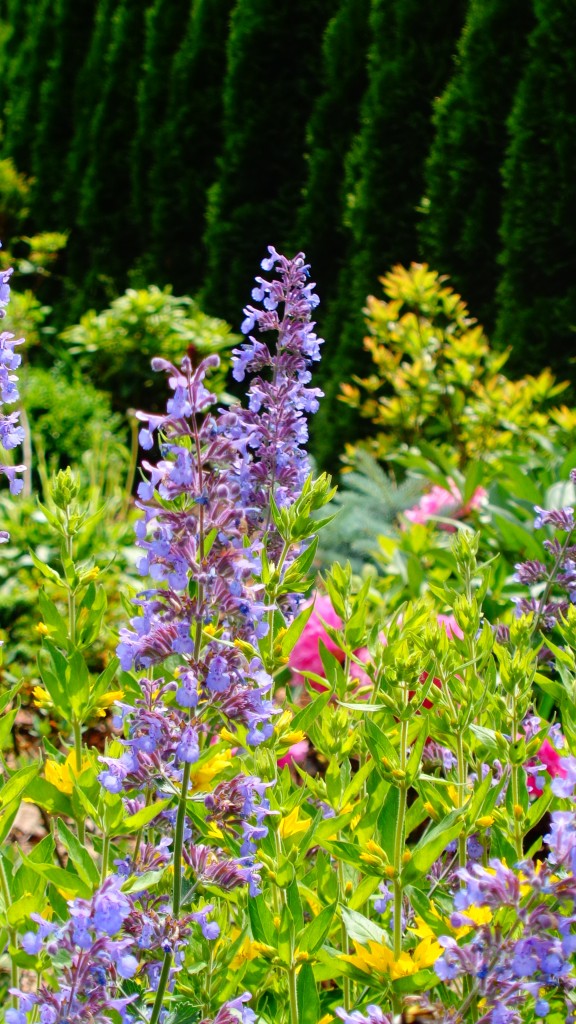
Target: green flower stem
point(293, 993)
point(461, 795)
point(77, 727)
point(105, 856)
point(515, 782)
point(12, 933)
point(164, 975)
point(346, 988)
point(177, 890)
point(399, 834)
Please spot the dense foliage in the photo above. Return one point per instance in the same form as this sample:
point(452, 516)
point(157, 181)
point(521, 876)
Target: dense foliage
point(277, 802)
point(170, 139)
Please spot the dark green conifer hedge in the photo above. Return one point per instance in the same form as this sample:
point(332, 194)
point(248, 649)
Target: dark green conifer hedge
point(186, 147)
point(537, 293)
point(464, 189)
point(272, 70)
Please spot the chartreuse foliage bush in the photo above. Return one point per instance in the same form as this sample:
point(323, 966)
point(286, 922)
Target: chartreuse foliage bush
point(355, 810)
point(139, 325)
point(445, 416)
point(437, 380)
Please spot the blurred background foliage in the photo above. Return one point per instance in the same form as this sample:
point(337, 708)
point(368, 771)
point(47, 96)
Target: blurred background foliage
point(168, 142)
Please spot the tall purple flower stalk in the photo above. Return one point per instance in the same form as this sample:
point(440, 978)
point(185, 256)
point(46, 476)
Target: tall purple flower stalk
point(205, 526)
point(11, 432)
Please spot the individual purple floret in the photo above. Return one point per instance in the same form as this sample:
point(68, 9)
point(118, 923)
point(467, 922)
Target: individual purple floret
point(373, 1015)
point(559, 518)
point(234, 1012)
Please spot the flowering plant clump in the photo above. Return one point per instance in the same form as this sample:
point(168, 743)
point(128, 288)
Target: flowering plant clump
point(313, 803)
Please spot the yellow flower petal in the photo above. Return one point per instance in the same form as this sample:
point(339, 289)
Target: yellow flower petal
point(291, 825)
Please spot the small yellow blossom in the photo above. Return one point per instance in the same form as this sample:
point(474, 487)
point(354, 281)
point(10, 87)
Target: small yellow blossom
point(92, 574)
point(249, 950)
point(106, 701)
point(485, 821)
point(203, 775)
point(326, 1019)
point(42, 698)
point(62, 775)
point(374, 854)
point(292, 824)
point(228, 736)
point(42, 629)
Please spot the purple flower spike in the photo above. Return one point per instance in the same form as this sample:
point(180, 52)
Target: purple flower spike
point(11, 433)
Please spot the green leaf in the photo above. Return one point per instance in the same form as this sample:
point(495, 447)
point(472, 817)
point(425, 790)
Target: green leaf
point(294, 902)
point(387, 819)
point(379, 745)
point(317, 930)
point(432, 844)
point(18, 783)
point(6, 723)
point(307, 995)
point(52, 617)
point(285, 936)
point(307, 715)
point(79, 855)
point(261, 921)
point(148, 880)
point(361, 929)
point(46, 570)
point(143, 817)
point(363, 891)
point(64, 880)
point(78, 679)
point(295, 630)
point(19, 910)
point(50, 799)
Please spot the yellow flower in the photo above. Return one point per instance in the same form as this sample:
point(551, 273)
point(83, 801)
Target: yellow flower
point(62, 775)
point(283, 733)
point(380, 958)
point(42, 629)
point(248, 951)
point(42, 698)
point(291, 825)
point(106, 701)
point(205, 772)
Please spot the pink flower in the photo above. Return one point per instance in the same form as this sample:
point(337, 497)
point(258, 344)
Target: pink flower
point(442, 502)
point(450, 625)
point(550, 758)
point(297, 752)
point(305, 656)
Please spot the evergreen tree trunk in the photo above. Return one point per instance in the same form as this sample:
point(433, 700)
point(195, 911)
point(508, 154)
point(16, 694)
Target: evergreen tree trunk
point(537, 293)
point(165, 21)
point(464, 189)
point(410, 60)
point(334, 123)
point(186, 147)
point(273, 58)
point(54, 129)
